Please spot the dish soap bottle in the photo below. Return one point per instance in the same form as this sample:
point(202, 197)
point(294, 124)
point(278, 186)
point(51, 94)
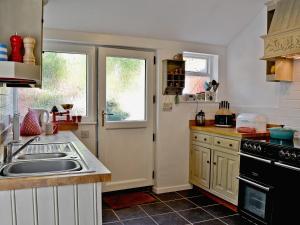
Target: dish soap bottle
point(200, 118)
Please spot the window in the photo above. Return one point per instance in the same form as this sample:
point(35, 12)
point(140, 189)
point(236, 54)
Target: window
point(66, 79)
point(199, 68)
point(125, 89)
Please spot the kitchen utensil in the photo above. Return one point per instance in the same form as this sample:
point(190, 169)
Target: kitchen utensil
point(200, 118)
point(224, 117)
point(215, 85)
point(282, 133)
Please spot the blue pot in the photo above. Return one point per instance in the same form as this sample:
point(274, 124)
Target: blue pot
point(282, 133)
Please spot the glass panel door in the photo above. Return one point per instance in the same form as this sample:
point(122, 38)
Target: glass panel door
point(255, 201)
point(125, 89)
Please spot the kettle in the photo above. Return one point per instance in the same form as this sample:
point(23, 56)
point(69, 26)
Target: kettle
point(200, 118)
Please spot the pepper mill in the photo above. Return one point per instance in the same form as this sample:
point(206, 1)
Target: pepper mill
point(29, 44)
point(16, 48)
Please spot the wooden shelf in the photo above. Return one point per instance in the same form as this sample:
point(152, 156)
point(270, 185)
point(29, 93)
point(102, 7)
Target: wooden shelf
point(173, 77)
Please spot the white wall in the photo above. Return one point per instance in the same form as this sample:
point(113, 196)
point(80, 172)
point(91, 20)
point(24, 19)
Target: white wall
point(247, 87)
point(172, 145)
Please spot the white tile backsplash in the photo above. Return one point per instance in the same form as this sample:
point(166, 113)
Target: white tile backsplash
point(6, 108)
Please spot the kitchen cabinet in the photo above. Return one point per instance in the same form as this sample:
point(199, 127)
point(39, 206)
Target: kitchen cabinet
point(225, 169)
point(214, 164)
point(27, 20)
point(173, 77)
point(200, 165)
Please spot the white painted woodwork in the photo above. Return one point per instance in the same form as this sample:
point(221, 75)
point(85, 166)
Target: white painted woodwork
point(60, 205)
point(200, 160)
point(127, 148)
point(219, 175)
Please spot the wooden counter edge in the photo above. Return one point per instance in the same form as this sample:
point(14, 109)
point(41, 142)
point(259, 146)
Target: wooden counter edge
point(59, 180)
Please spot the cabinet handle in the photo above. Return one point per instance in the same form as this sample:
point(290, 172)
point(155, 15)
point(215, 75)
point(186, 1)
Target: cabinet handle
point(230, 145)
point(195, 137)
point(215, 163)
point(205, 139)
point(218, 142)
point(208, 161)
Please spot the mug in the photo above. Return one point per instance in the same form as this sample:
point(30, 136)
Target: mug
point(43, 117)
point(51, 129)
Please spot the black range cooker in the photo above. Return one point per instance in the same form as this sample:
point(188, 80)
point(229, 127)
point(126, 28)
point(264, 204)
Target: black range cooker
point(269, 191)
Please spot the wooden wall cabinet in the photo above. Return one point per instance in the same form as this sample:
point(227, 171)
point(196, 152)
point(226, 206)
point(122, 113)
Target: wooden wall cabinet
point(214, 164)
point(173, 77)
point(24, 17)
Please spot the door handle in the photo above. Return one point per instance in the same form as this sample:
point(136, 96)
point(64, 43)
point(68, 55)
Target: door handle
point(253, 184)
point(103, 116)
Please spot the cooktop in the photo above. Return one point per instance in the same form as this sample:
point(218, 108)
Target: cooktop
point(273, 149)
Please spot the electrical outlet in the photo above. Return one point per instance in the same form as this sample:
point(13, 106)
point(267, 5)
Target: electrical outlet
point(84, 134)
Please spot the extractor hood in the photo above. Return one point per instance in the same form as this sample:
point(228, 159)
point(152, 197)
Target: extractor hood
point(283, 38)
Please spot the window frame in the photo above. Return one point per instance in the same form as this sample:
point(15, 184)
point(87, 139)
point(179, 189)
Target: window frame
point(91, 88)
point(209, 64)
point(212, 65)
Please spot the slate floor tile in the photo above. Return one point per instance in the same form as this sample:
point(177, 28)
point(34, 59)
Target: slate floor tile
point(190, 193)
point(140, 221)
point(170, 219)
point(168, 196)
point(108, 216)
point(202, 201)
point(236, 220)
point(130, 213)
point(180, 204)
point(219, 211)
point(195, 215)
point(210, 222)
point(156, 208)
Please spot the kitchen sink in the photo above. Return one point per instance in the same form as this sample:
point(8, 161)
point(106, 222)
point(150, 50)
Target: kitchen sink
point(42, 156)
point(41, 167)
point(43, 159)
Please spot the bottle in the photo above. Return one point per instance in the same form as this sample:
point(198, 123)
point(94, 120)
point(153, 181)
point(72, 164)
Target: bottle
point(200, 118)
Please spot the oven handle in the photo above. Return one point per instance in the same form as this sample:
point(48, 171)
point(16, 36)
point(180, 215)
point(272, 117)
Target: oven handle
point(254, 184)
point(287, 166)
point(256, 158)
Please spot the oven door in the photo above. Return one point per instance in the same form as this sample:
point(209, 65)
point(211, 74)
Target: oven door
point(255, 200)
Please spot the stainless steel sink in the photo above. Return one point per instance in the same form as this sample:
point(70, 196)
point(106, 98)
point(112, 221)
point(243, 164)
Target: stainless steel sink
point(41, 167)
point(42, 156)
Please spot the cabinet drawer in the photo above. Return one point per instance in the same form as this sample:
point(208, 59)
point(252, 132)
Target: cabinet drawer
point(203, 138)
point(226, 143)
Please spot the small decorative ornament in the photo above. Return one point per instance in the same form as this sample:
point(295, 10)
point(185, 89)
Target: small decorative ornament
point(29, 44)
point(16, 48)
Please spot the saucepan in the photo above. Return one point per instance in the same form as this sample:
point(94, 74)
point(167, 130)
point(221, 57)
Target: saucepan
point(282, 133)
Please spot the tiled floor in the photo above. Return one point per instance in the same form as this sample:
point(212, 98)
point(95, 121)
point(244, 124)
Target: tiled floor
point(175, 208)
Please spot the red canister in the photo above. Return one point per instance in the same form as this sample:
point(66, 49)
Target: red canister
point(16, 42)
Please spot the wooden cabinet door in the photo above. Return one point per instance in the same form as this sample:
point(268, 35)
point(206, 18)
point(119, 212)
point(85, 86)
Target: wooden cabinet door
point(200, 166)
point(225, 170)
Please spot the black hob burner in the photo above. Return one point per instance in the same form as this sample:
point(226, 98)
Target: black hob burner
point(269, 181)
point(273, 149)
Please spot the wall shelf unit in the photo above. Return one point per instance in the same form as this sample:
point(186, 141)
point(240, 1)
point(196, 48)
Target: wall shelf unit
point(173, 77)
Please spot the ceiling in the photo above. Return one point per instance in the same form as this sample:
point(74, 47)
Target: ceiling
point(202, 21)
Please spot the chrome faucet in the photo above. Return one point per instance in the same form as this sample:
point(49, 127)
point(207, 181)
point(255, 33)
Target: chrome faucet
point(8, 149)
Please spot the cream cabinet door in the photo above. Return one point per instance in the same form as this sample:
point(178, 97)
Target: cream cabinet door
point(225, 169)
point(200, 166)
